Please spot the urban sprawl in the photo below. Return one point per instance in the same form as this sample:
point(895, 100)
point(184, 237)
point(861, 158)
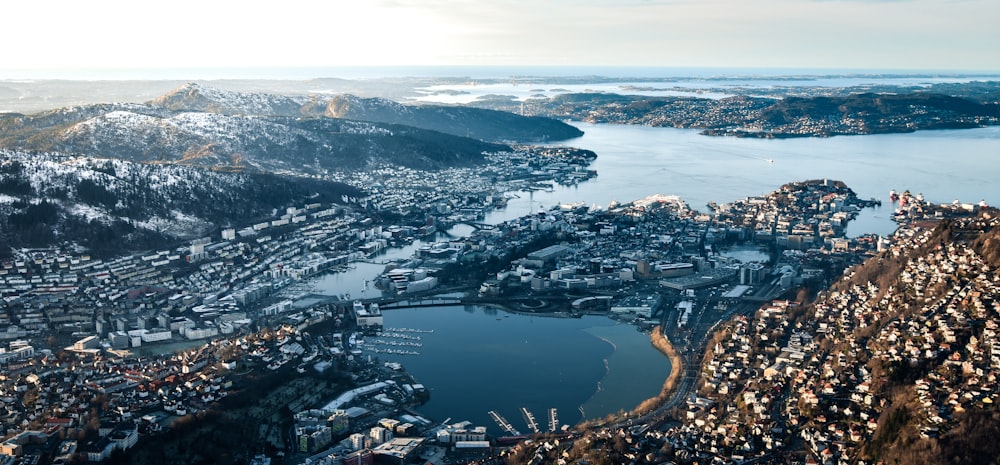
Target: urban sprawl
point(102, 355)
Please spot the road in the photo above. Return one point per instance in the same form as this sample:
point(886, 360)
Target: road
point(690, 343)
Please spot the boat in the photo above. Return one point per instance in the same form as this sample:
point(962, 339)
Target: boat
point(893, 196)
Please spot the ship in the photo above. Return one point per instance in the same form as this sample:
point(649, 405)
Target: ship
point(893, 196)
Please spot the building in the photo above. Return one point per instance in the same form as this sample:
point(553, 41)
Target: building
point(549, 254)
point(367, 317)
point(358, 441)
point(87, 343)
point(360, 457)
point(380, 435)
point(638, 305)
point(398, 450)
point(752, 274)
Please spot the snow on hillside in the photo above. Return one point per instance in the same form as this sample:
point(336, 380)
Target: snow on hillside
point(235, 129)
point(193, 96)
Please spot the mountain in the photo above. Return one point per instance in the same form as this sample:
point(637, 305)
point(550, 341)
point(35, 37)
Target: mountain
point(239, 141)
point(482, 124)
point(195, 97)
point(107, 205)
point(473, 122)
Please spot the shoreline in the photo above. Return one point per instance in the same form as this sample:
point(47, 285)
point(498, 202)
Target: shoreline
point(662, 344)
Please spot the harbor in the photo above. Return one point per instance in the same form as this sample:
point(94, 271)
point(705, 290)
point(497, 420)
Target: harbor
point(529, 421)
point(477, 360)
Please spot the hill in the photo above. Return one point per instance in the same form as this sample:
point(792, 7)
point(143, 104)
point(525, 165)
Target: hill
point(766, 117)
point(473, 122)
point(108, 205)
point(251, 142)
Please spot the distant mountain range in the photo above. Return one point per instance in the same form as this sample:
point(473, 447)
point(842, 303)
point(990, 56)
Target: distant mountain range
point(792, 116)
point(199, 156)
point(202, 126)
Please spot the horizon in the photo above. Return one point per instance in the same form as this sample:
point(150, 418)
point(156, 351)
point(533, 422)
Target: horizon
point(375, 72)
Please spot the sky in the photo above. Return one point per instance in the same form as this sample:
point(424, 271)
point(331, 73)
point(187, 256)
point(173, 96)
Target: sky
point(960, 35)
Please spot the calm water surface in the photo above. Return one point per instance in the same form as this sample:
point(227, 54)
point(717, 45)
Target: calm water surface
point(474, 362)
point(480, 359)
point(636, 161)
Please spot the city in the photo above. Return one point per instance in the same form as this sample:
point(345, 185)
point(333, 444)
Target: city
point(90, 366)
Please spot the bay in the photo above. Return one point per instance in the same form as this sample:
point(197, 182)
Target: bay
point(481, 364)
point(479, 359)
point(636, 161)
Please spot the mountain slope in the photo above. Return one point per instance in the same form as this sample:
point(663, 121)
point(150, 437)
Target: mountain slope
point(920, 338)
point(460, 121)
point(195, 97)
point(150, 133)
point(106, 205)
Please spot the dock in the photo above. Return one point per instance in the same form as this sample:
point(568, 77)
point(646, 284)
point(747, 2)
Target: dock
point(529, 418)
point(553, 420)
point(504, 424)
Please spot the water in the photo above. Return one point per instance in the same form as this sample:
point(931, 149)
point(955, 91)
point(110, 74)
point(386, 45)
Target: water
point(746, 254)
point(481, 359)
point(358, 281)
point(636, 161)
point(480, 364)
point(703, 86)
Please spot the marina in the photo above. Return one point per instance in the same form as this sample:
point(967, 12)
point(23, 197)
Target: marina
point(503, 423)
point(529, 418)
point(477, 364)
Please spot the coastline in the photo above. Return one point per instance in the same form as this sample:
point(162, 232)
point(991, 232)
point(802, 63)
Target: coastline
point(662, 344)
point(633, 371)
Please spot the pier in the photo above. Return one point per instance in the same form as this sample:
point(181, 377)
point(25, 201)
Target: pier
point(529, 418)
point(504, 424)
point(553, 420)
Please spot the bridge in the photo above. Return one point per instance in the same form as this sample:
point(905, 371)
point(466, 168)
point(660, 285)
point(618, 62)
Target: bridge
point(534, 304)
point(479, 226)
point(389, 304)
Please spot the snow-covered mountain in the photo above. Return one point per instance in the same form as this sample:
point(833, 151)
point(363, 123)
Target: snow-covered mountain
point(110, 204)
point(110, 175)
point(196, 97)
point(477, 123)
point(304, 145)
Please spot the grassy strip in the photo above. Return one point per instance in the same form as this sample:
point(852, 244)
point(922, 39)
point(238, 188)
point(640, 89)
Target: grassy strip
point(661, 343)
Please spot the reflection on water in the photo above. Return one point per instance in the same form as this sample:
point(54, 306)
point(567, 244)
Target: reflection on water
point(746, 254)
point(478, 362)
point(480, 359)
point(636, 161)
